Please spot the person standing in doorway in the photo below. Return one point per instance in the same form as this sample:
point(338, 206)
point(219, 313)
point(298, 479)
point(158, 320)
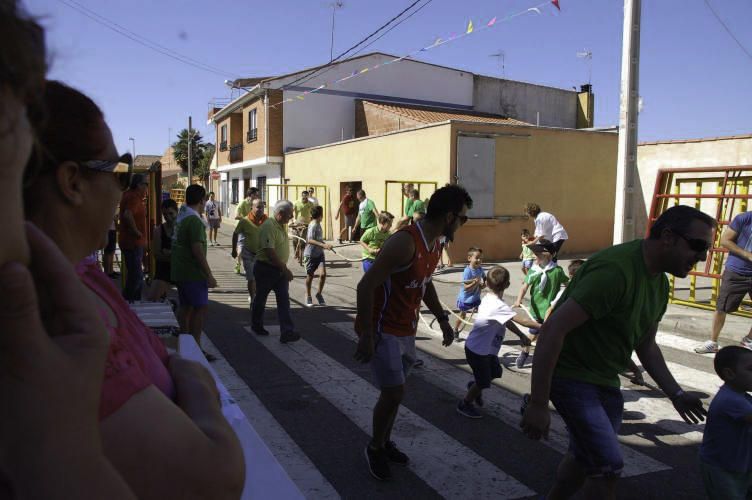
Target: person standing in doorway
point(249, 229)
point(190, 270)
point(547, 227)
point(214, 218)
point(132, 237)
point(736, 281)
point(389, 297)
point(349, 208)
point(367, 213)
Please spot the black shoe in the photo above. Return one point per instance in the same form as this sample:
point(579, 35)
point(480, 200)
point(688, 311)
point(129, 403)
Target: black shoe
point(289, 337)
point(209, 357)
point(260, 331)
point(456, 335)
point(479, 399)
point(395, 455)
point(378, 463)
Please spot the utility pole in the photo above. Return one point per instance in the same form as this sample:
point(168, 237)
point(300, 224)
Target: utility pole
point(133, 143)
point(334, 5)
point(190, 162)
point(626, 167)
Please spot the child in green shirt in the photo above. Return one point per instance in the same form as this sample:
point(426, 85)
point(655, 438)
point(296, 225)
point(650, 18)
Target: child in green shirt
point(373, 239)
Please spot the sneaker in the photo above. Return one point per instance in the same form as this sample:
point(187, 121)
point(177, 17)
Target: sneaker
point(321, 300)
point(467, 410)
point(260, 331)
point(395, 455)
point(456, 335)
point(309, 301)
point(289, 337)
point(746, 343)
point(479, 399)
point(520, 363)
point(709, 347)
point(378, 463)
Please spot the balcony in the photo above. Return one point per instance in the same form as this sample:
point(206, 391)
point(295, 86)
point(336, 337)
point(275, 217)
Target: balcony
point(252, 135)
point(236, 153)
point(223, 146)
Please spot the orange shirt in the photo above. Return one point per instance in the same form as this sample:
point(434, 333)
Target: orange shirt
point(257, 221)
point(134, 202)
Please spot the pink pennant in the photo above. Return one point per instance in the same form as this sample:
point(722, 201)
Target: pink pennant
point(556, 4)
point(491, 22)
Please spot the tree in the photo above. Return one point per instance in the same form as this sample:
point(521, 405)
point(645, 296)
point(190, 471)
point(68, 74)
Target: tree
point(201, 170)
point(180, 149)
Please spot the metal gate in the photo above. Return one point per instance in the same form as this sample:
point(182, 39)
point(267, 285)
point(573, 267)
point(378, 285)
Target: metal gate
point(722, 192)
point(426, 188)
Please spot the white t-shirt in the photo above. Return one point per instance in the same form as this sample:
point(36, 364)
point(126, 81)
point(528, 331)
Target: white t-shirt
point(549, 228)
point(211, 210)
point(313, 200)
point(488, 328)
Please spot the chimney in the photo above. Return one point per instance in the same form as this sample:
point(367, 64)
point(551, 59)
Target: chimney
point(585, 107)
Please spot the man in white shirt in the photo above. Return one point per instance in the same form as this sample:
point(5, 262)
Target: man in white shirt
point(547, 227)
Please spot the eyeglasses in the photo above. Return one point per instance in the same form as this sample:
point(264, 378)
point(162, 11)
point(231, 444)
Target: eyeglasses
point(696, 244)
point(462, 218)
point(122, 168)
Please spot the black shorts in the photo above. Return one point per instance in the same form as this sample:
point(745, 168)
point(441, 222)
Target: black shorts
point(734, 287)
point(162, 272)
point(485, 368)
point(111, 240)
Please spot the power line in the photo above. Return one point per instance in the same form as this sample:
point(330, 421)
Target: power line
point(364, 40)
point(82, 9)
point(728, 30)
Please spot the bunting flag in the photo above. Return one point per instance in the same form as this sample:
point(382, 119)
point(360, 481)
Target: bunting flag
point(470, 30)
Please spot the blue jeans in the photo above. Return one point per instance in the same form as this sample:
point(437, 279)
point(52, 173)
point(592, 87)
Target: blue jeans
point(270, 278)
point(134, 273)
point(593, 416)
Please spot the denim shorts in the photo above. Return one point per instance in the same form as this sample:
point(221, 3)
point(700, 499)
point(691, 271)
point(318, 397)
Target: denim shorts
point(193, 293)
point(468, 306)
point(527, 264)
point(593, 415)
point(393, 357)
point(249, 261)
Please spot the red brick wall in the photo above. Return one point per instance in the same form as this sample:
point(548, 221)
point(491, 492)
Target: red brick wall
point(370, 119)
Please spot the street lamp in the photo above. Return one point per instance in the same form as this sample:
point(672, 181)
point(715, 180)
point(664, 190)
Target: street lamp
point(133, 148)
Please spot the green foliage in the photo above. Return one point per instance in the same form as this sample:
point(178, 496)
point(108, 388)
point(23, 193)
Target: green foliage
point(201, 169)
point(180, 149)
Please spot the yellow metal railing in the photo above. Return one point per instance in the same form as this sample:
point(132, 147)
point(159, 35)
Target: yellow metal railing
point(293, 192)
point(430, 187)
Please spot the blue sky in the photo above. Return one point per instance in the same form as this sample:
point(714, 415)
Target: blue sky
point(694, 79)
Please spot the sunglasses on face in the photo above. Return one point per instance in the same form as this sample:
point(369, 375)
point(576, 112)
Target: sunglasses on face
point(122, 168)
point(696, 244)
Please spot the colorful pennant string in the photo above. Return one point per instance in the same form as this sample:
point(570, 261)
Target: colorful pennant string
point(470, 30)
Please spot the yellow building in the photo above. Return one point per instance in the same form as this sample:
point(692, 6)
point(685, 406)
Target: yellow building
point(568, 172)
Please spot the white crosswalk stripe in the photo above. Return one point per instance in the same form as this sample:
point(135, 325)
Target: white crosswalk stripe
point(505, 405)
point(436, 457)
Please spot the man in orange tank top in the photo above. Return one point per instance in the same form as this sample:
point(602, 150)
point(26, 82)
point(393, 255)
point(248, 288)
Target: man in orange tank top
point(389, 298)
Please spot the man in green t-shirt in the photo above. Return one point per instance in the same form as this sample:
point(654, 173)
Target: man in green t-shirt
point(189, 269)
point(367, 213)
point(302, 209)
point(248, 229)
point(373, 239)
point(272, 274)
point(611, 308)
point(241, 212)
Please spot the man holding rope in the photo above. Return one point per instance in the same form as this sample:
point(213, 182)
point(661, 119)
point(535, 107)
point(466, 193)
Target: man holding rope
point(389, 298)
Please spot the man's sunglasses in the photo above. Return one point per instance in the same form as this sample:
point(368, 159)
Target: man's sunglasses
point(122, 168)
point(696, 244)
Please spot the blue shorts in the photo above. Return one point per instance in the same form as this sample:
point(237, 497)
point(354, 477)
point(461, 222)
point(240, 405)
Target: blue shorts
point(193, 293)
point(313, 263)
point(468, 306)
point(393, 357)
point(367, 265)
point(593, 415)
point(527, 264)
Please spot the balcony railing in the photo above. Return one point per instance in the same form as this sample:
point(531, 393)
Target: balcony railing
point(236, 153)
point(223, 146)
point(252, 135)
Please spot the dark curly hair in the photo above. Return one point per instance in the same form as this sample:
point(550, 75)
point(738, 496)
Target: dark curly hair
point(449, 199)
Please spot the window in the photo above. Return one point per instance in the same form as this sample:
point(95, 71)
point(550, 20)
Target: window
point(261, 185)
point(234, 194)
point(252, 128)
point(223, 138)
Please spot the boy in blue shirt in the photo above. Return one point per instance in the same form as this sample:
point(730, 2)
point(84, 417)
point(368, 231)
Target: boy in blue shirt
point(726, 450)
point(473, 280)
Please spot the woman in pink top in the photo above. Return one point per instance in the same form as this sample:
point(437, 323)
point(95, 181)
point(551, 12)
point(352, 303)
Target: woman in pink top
point(160, 420)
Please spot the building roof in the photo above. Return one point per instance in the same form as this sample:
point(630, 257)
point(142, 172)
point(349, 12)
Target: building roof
point(145, 161)
point(426, 114)
point(704, 139)
point(169, 165)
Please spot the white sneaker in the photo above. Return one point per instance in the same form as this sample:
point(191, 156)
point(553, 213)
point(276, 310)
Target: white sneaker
point(746, 342)
point(709, 347)
point(309, 302)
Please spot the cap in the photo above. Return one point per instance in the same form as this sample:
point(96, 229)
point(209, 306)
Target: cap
point(543, 246)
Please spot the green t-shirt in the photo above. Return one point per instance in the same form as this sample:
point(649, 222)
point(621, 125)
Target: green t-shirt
point(250, 232)
point(409, 207)
point(244, 208)
point(374, 238)
point(273, 235)
point(303, 211)
point(624, 302)
point(540, 300)
point(183, 265)
point(527, 254)
point(365, 210)
point(419, 207)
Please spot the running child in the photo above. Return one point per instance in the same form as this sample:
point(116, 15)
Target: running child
point(544, 280)
point(725, 458)
point(484, 342)
point(313, 255)
point(527, 256)
point(373, 239)
point(473, 281)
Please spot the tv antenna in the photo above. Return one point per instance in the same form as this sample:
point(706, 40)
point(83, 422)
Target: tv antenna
point(588, 56)
point(334, 6)
point(500, 56)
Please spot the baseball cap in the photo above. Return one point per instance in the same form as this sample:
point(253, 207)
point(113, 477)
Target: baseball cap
point(543, 246)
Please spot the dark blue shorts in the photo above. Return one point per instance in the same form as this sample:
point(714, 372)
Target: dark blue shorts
point(367, 265)
point(193, 293)
point(593, 416)
point(313, 263)
point(468, 306)
point(485, 368)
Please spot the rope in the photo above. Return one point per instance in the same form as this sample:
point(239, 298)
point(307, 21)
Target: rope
point(462, 320)
point(333, 250)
